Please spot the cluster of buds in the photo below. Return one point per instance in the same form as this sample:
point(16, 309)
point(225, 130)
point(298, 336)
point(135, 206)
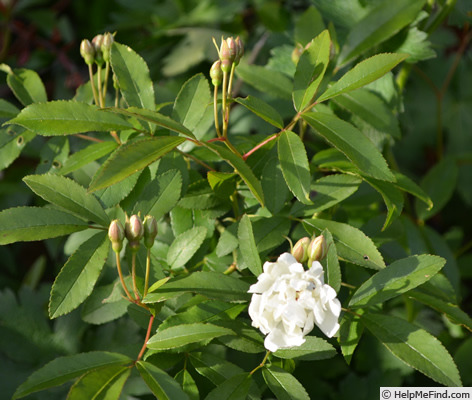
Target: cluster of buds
point(310, 250)
point(230, 52)
point(98, 50)
point(134, 231)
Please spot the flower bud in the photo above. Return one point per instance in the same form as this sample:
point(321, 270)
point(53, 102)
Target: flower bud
point(134, 231)
point(150, 230)
point(224, 50)
point(226, 65)
point(239, 50)
point(97, 42)
point(317, 249)
point(116, 233)
point(300, 250)
point(216, 74)
point(232, 49)
point(87, 51)
point(106, 46)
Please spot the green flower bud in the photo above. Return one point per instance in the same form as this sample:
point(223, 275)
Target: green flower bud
point(87, 51)
point(226, 65)
point(106, 46)
point(116, 233)
point(97, 42)
point(216, 74)
point(239, 50)
point(300, 250)
point(150, 230)
point(134, 231)
point(317, 249)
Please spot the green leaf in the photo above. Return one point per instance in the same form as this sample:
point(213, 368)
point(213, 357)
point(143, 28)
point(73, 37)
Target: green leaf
point(352, 142)
point(91, 153)
point(262, 109)
point(26, 85)
point(155, 118)
point(160, 195)
point(7, 110)
point(161, 384)
point(406, 184)
point(132, 74)
point(363, 73)
point(132, 157)
point(244, 171)
point(333, 270)
point(188, 384)
point(192, 101)
point(100, 308)
point(104, 384)
point(273, 185)
point(24, 224)
point(446, 172)
point(350, 333)
point(247, 245)
point(78, 276)
point(311, 68)
point(452, 311)
point(283, 384)
point(265, 80)
point(392, 197)
point(370, 107)
point(213, 285)
point(226, 244)
point(217, 370)
point(68, 194)
point(67, 117)
point(414, 346)
point(351, 243)
point(399, 277)
point(63, 369)
point(333, 189)
point(185, 246)
point(244, 338)
point(235, 388)
point(294, 164)
point(314, 348)
point(12, 141)
point(384, 21)
point(309, 25)
point(181, 335)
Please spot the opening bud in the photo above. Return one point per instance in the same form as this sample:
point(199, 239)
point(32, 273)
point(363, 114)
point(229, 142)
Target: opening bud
point(150, 230)
point(97, 42)
point(134, 231)
point(300, 250)
point(233, 49)
point(317, 249)
point(216, 74)
point(239, 50)
point(106, 46)
point(87, 51)
point(116, 234)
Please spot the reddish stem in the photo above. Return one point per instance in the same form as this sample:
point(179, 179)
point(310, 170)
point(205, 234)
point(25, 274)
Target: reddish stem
point(216, 139)
point(148, 334)
point(245, 156)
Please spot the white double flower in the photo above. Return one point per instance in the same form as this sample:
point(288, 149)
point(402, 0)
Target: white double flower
point(287, 301)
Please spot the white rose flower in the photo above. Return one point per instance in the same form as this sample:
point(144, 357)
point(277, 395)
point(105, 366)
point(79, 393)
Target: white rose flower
point(288, 301)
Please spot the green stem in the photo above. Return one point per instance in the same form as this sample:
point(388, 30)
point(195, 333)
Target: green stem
point(99, 84)
point(133, 274)
point(223, 104)
point(120, 274)
point(94, 89)
point(148, 267)
point(105, 84)
point(215, 111)
point(261, 364)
